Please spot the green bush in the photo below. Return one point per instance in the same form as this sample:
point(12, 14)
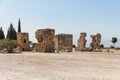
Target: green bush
point(9, 45)
point(74, 46)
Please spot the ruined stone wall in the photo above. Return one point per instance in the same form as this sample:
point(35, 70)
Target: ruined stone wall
point(63, 42)
point(96, 40)
point(45, 39)
point(23, 40)
point(81, 41)
point(38, 47)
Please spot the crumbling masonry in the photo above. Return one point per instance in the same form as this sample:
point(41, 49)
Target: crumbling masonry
point(96, 40)
point(81, 41)
point(63, 42)
point(45, 39)
point(23, 40)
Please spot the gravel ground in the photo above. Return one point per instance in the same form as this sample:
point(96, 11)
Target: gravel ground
point(64, 66)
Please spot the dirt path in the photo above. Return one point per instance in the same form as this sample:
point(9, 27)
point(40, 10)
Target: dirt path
point(70, 66)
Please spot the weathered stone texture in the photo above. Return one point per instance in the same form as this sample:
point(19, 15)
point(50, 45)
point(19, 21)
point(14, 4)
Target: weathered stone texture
point(96, 40)
point(23, 40)
point(45, 39)
point(63, 42)
point(81, 41)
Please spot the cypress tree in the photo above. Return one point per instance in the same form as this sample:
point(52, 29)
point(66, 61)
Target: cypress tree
point(19, 26)
point(11, 34)
point(2, 36)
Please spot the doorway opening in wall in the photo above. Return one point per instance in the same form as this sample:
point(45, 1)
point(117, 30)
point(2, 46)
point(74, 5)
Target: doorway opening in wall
point(24, 40)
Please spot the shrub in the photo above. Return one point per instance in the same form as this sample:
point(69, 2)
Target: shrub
point(9, 45)
point(74, 46)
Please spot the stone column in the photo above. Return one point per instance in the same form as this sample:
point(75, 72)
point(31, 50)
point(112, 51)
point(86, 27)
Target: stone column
point(82, 41)
point(96, 40)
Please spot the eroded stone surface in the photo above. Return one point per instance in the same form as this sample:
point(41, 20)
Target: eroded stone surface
point(63, 42)
point(96, 40)
point(82, 41)
point(45, 39)
point(23, 40)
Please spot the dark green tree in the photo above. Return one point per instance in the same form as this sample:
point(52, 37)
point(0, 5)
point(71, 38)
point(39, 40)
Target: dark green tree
point(19, 26)
point(11, 34)
point(74, 46)
point(101, 46)
point(2, 36)
point(114, 40)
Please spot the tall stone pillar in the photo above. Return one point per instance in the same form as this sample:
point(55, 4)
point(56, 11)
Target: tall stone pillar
point(96, 40)
point(82, 41)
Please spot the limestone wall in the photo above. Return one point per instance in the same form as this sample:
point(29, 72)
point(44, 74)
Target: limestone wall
point(63, 42)
point(45, 39)
point(81, 41)
point(23, 40)
point(96, 40)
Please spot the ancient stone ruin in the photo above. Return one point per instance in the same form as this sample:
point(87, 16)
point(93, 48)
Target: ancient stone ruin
point(81, 42)
point(63, 42)
point(48, 42)
point(23, 40)
point(96, 40)
point(94, 45)
point(45, 39)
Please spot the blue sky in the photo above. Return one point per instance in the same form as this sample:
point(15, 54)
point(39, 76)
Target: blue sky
point(66, 16)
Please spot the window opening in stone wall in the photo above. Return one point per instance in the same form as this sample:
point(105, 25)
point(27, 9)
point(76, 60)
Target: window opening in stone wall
point(24, 40)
